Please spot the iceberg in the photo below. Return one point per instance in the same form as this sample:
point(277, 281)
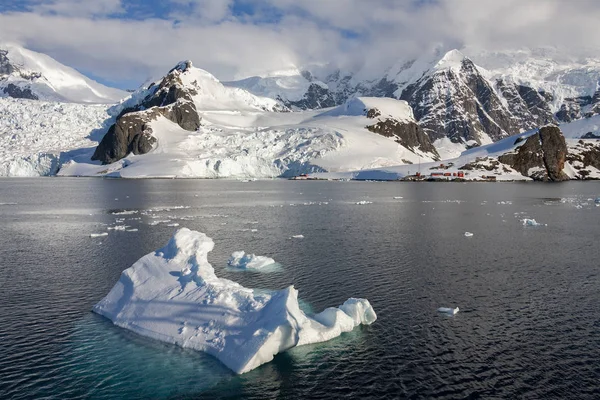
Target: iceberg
point(174, 295)
point(468, 234)
point(240, 259)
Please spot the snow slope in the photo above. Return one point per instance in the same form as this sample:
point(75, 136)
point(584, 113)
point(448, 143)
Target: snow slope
point(36, 136)
point(252, 143)
point(580, 128)
point(50, 80)
point(174, 295)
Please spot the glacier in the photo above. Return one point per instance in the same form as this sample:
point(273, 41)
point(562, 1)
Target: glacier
point(173, 295)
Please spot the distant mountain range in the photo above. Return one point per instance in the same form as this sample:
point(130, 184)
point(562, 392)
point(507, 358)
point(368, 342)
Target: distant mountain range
point(189, 124)
point(452, 96)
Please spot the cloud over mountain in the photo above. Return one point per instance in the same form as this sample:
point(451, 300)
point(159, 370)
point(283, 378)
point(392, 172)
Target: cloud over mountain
point(124, 41)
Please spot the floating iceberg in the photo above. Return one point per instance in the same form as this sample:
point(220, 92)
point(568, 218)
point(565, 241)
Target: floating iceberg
point(468, 234)
point(449, 311)
point(363, 203)
point(531, 222)
point(298, 237)
point(173, 295)
point(240, 259)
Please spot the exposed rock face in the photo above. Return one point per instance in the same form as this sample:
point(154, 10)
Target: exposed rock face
point(132, 133)
point(12, 90)
point(583, 155)
point(315, 97)
point(6, 67)
point(20, 93)
point(407, 133)
point(542, 157)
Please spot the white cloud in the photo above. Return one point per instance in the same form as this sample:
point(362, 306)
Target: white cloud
point(373, 34)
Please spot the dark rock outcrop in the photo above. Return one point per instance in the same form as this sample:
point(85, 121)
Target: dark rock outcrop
point(406, 133)
point(315, 97)
point(583, 155)
point(17, 92)
point(6, 67)
point(542, 157)
point(131, 133)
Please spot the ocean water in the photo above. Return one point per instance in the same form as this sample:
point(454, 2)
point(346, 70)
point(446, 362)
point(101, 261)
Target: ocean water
point(529, 325)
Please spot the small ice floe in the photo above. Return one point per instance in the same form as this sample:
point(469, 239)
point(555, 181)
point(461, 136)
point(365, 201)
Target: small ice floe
point(95, 235)
point(125, 212)
point(468, 234)
point(132, 230)
point(173, 224)
point(298, 237)
point(448, 311)
point(398, 197)
point(241, 260)
point(156, 222)
point(363, 202)
point(118, 228)
point(531, 222)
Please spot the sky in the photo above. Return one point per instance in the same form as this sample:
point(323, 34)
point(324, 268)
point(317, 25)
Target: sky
point(126, 42)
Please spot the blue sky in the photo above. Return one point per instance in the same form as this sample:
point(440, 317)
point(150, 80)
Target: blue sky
point(125, 42)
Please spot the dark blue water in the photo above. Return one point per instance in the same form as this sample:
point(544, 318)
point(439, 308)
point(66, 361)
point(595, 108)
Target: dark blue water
point(529, 325)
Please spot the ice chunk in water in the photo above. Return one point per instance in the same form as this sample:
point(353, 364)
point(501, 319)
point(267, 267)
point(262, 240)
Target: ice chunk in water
point(449, 311)
point(95, 235)
point(240, 259)
point(531, 222)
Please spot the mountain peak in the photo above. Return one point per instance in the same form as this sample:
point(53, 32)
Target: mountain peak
point(452, 59)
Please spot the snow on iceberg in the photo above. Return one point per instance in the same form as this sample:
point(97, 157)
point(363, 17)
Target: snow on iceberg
point(173, 295)
point(240, 259)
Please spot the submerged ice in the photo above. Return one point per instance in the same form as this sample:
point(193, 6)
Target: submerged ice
point(173, 295)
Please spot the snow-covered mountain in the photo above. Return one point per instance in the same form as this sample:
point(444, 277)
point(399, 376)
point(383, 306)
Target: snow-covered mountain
point(190, 125)
point(470, 97)
point(30, 75)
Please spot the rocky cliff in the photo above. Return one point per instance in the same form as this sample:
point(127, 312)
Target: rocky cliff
point(407, 133)
point(541, 157)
